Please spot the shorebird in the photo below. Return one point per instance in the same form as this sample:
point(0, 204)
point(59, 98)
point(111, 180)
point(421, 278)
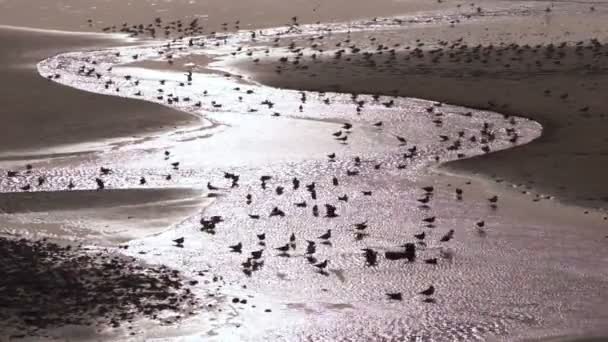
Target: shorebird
point(428, 292)
point(311, 247)
point(431, 261)
point(326, 236)
point(322, 265)
point(236, 248)
point(408, 253)
point(448, 236)
point(429, 219)
point(100, 184)
point(371, 257)
point(361, 226)
point(277, 212)
point(292, 241)
point(395, 296)
point(284, 248)
point(330, 211)
point(179, 242)
point(420, 236)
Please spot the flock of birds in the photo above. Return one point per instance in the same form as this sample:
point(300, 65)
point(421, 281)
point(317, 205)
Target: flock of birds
point(255, 259)
point(381, 58)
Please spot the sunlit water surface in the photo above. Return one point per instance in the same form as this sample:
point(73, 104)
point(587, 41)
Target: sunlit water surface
point(528, 274)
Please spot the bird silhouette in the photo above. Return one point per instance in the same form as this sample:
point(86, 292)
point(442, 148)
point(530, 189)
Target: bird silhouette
point(257, 254)
point(236, 248)
point(311, 247)
point(371, 257)
point(100, 184)
point(284, 248)
point(395, 296)
point(277, 212)
point(322, 265)
point(361, 226)
point(420, 236)
point(448, 236)
point(428, 292)
point(429, 219)
point(326, 236)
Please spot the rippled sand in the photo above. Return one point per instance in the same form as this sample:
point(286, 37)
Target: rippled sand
point(537, 269)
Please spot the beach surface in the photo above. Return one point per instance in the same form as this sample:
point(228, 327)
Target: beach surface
point(529, 265)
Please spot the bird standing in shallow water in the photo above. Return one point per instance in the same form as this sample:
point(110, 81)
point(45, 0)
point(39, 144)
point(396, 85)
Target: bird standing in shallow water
point(326, 236)
point(236, 248)
point(322, 265)
point(428, 292)
point(179, 242)
point(395, 296)
point(448, 236)
point(371, 257)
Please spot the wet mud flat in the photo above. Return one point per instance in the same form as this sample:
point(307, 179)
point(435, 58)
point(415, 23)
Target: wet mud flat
point(47, 286)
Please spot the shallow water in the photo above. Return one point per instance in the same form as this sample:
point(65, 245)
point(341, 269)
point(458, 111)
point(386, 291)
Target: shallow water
point(536, 270)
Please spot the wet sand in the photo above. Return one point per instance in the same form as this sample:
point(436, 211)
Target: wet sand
point(479, 276)
point(72, 15)
point(38, 114)
point(44, 123)
point(566, 162)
